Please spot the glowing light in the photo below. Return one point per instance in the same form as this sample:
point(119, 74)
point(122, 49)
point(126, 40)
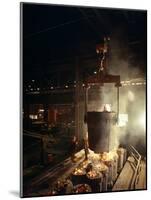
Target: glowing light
point(107, 107)
point(138, 83)
point(66, 86)
point(122, 120)
point(95, 72)
point(41, 110)
point(97, 51)
point(51, 88)
point(33, 116)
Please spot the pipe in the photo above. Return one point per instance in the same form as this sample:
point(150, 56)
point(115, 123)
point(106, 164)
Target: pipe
point(117, 105)
point(86, 104)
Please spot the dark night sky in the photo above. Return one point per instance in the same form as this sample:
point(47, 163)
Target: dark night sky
point(57, 34)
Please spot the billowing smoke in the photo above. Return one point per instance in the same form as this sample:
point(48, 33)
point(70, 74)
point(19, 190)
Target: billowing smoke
point(132, 97)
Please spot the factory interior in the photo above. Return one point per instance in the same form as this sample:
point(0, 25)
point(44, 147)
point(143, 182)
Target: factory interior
point(84, 100)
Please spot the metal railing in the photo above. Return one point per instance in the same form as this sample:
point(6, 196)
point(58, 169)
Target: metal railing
point(137, 160)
